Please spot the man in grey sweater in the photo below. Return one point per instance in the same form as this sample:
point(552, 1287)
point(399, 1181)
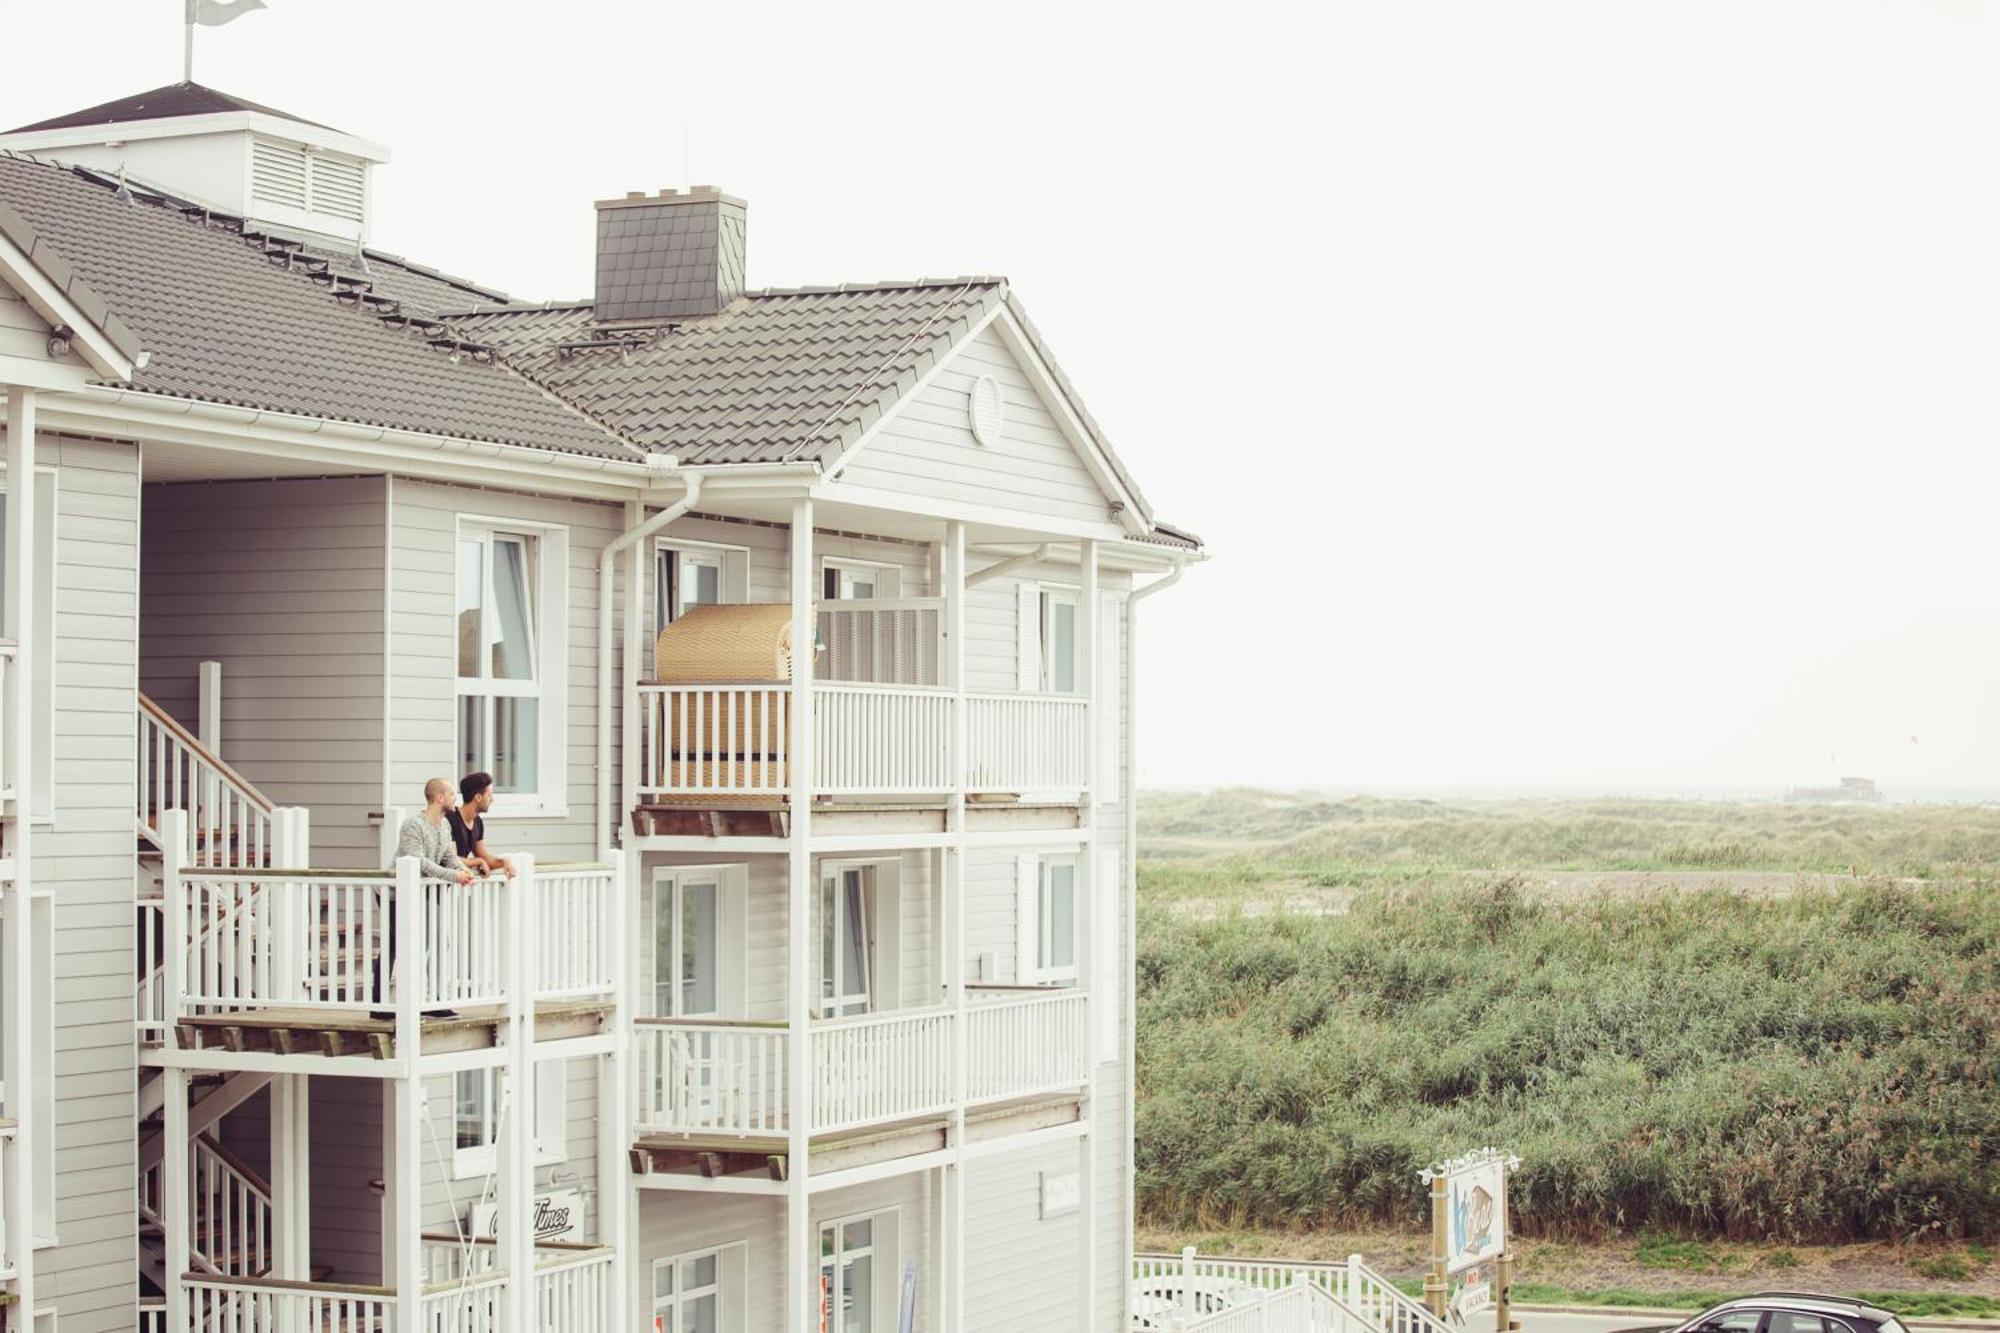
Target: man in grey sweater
point(427, 837)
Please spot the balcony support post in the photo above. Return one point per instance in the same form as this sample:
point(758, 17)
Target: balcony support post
point(516, 1148)
point(617, 1199)
point(801, 1262)
point(175, 1209)
point(636, 657)
point(952, 892)
point(1088, 633)
point(17, 762)
point(405, 969)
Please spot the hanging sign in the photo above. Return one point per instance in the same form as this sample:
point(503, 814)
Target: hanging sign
point(1475, 1204)
point(558, 1216)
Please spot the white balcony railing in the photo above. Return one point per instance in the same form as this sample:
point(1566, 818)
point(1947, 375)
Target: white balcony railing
point(1026, 742)
point(266, 1303)
point(881, 740)
point(328, 940)
point(231, 823)
point(572, 1290)
point(868, 739)
point(1024, 1044)
point(717, 1077)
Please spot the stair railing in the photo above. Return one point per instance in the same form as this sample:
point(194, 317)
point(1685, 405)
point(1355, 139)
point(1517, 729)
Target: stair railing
point(230, 821)
point(230, 1207)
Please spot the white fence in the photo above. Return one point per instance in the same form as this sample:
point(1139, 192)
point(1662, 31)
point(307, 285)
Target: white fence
point(881, 740)
point(697, 1076)
point(1196, 1293)
point(223, 1303)
point(714, 739)
point(1026, 742)
point(474, 1303)
point(573, 1292)
point(576, 937)
point(885, 641)
point(1027, 1043)
point(880, 1067)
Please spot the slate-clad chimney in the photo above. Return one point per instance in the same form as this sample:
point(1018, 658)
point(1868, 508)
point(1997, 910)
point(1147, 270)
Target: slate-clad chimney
point(671, 255)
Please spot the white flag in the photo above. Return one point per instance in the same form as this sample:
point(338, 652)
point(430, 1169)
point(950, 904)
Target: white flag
point(215, 13)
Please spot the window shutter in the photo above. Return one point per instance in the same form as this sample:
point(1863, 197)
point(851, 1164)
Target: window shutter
point(887, 925)
point(732, 942)
point(1029, 637)
point(888, 1270)
point(734, 1295)
point(1107, 946)
point(1027, 917)
point(552, 1108)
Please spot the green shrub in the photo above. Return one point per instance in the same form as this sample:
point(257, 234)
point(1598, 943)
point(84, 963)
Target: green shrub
point(1813, 1066)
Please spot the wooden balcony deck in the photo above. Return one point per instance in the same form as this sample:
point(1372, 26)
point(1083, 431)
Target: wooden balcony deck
point(325, 1032)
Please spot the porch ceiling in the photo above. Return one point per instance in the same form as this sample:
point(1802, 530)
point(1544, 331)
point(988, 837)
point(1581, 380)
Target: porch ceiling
point(186, 462)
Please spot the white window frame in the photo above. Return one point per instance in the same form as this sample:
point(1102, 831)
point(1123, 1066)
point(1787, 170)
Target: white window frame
point(731, 1298)
point(550, 688)
point(732, 577)
point(870, 997)
point(731, 935)
point(887, 1277)
point(1034, 888)
point(886, 579)
point(42, 638)
point(1036, 674)
point(551, 1078)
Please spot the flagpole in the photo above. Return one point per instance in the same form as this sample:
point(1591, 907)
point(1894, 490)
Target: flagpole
point(187, 49)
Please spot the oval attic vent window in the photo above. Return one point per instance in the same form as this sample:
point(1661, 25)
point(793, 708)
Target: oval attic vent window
point(986, 411)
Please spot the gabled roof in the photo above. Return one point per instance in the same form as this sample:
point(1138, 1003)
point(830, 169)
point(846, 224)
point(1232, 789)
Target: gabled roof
point(167, 103)
point(227, 322)
point(779, 376)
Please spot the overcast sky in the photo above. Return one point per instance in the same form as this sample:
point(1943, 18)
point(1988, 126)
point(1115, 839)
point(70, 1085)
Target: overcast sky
point(1573, 394)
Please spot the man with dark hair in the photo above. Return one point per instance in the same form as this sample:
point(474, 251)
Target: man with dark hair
point(468, 825)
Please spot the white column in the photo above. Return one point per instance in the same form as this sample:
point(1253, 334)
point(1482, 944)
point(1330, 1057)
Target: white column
point(953, 894)
point(174, 1211)
point(614, 1097)
point(18, 614)
point(208, 708)
point(637, 1281)
point(516, 1149)
point(1087, 613)
point(801, 1262)
point(407, 1189)
point(284, 1159)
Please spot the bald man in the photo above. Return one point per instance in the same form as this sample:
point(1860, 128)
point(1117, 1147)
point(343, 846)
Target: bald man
point(428, 837)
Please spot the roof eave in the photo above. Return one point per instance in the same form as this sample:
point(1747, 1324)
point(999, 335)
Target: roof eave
point(57, 293)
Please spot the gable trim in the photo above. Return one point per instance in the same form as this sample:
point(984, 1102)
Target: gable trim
point(1021, 346)
point(19, 270)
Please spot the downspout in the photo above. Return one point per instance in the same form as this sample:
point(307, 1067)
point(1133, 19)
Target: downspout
point(664, 466)
point(1131, 795)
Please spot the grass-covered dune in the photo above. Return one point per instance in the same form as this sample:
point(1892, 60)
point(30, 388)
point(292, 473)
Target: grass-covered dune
point(1822, 1063)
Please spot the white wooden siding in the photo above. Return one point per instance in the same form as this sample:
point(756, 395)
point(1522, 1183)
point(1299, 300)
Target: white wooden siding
point(1021, 1270)
point(423, 653)
point(927, 448)
point(85, 860)
point(281, 582)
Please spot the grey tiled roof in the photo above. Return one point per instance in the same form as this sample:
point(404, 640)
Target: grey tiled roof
point(167, 103)
point(224, 323)
point(63, 275)
point(1166, 534)
point(777, 377)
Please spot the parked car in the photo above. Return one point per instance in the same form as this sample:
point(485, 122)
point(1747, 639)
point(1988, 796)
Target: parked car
point(1785, 1312)
point(1157, 1302)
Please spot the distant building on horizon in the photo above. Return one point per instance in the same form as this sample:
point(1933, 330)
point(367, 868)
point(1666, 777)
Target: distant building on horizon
point(1850, 789)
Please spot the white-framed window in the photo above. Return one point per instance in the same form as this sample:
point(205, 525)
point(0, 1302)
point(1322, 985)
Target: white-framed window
point(41, 778)
point(700, 1292)
point(859, 1263)
point(699, 940)
point(478, 1102)
point(843, 580)
point(511, 605)
point(846, 939)
point(689, 574)
point(1048, 918)
point(1047, 629)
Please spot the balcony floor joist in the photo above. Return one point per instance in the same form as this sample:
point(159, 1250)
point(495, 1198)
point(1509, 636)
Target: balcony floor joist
point(718, 1161)
point(841, 825)
point(336, 1034)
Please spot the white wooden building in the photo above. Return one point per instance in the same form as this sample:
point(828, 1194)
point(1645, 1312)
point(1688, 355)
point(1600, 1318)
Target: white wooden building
point(812, 994)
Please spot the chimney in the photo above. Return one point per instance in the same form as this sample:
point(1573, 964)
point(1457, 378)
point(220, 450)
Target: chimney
point(671, 255)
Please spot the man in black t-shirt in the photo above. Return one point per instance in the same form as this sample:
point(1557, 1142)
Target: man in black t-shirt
point(468, 825)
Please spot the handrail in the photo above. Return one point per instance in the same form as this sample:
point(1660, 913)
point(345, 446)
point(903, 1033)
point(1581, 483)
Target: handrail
point(289, 1284)
point(881, 1016)
point(744, 1024)
point(492, 1277)
point(857, 605)
point(185, 737)
point(230, 1159)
